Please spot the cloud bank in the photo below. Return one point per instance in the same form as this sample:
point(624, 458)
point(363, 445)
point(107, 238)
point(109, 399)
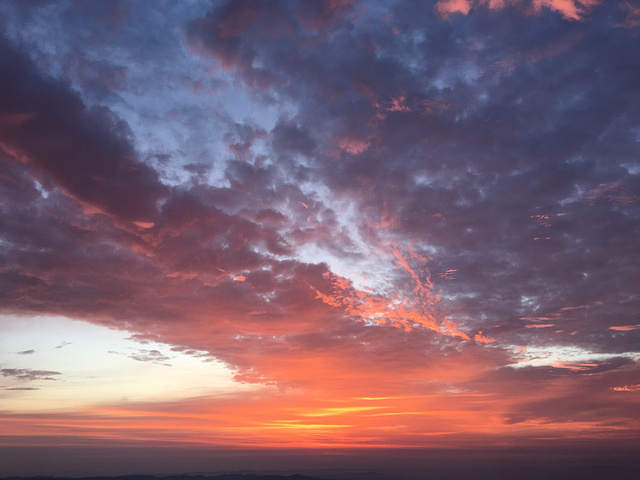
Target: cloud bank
point(430, 203)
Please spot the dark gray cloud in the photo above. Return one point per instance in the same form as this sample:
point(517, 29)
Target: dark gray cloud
point(508, 147)
point(87, 152)
point(29, 374)
point(153, 356)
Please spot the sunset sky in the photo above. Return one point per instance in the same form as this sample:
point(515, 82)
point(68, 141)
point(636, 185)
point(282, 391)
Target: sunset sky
point(297, 226)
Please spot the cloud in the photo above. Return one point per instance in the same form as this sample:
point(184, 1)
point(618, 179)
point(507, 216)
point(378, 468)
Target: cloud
point(400, 214)
point(569, 9)
point(447, 7)
point(632, 19)
point(98, 168)
point(29, 374)
point(198, 238)
point(627, 388)
point(153, 356)
point(624, 328)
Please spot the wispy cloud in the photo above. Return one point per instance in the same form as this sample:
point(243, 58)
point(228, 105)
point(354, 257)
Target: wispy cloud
point(153, 356)
point(29, 374)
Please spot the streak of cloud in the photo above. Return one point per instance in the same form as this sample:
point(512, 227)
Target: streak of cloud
point(28, 374)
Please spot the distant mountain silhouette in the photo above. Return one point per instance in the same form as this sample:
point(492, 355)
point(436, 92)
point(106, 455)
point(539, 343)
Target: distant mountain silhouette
point(455, 472)
point(229, 476)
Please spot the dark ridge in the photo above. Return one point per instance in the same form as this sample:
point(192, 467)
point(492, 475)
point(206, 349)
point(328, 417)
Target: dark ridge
point(229, 476)
point(593, 472)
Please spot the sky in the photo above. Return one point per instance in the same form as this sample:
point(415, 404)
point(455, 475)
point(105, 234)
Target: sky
point(296, 226)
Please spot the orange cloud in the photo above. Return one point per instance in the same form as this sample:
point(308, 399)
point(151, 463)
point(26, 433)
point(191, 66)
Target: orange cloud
point(576, 366)
point(480, 338)
point(397, 309)
point(625, 328)
point(627, 388)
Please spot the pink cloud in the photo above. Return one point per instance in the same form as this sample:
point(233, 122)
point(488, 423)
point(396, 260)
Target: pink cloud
point(569, 9)
point(449, 7)
point(354, 145)
point(613, 192)
point(398, 104)
point(633, 16)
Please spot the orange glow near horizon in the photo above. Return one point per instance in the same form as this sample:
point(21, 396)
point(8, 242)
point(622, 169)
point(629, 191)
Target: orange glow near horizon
point(282, 422)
